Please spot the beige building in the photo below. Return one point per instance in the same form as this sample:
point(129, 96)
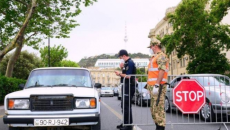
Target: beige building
point(176, 66)
point(106, 77)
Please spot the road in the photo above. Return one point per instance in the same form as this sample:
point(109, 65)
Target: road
point(111, 116)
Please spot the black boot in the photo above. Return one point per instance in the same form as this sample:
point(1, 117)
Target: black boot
point(157, 126)
point(119, 126)
point(127, 128)
point(161, 128)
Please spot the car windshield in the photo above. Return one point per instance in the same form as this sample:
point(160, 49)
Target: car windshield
point(106, 88)
point(212, 81)
point(141, 85)
point(59, 77)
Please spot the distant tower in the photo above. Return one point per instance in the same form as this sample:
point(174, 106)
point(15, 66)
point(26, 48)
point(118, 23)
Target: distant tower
point(126, 37)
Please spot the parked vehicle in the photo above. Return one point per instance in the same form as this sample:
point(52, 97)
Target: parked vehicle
point(107, 91)
point(141, 96)
point(217, 97)
point(115, 91)
point(55, 97)
point(119, 92)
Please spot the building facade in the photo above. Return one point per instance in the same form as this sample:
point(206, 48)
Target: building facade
point(114, 63)
point(106, 77)
point(177, 66)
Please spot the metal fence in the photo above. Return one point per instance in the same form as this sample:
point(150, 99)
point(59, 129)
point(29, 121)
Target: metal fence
point(215, 110)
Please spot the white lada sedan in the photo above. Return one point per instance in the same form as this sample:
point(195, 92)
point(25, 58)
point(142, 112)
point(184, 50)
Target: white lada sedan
point(55, 98)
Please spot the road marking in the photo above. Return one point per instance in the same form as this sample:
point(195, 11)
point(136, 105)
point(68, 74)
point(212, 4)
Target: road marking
point(118, 115)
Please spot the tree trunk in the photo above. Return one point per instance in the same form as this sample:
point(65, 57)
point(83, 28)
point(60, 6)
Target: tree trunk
point(12, 61)
point(20, 33)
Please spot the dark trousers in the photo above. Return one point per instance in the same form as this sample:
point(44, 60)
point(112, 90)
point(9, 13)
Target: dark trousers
point(128, 117)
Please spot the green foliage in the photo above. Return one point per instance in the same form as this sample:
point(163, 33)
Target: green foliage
point(68, 63)
point(25, 63)
point(198, 33)
point(50, 18)
point(90, 62)
point(57, 54)
point(8, 85)
point(141, 71)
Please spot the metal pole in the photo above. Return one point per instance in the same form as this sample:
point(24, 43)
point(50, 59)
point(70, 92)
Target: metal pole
point(49, 51)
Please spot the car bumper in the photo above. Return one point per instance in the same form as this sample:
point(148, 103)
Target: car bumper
point(74, 119)
point(107, 94)
point(221, 109)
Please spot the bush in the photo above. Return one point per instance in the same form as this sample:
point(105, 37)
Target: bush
point(8, 85)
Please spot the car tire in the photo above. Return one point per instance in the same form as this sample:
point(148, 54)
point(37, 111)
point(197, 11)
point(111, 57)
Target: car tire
point(167, 106)
point(206, 112)
point(97, 126)
point(118, 98)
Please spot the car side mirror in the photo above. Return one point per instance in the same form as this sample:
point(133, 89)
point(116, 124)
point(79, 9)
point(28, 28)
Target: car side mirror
point(21, 86)
point(97, 85)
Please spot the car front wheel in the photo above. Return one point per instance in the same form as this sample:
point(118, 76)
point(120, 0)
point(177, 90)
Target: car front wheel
point(167, 105)
point(206, 112)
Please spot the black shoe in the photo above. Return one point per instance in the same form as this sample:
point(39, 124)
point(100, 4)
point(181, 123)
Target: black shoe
point(119, 126)
point(127, 128)
point(161, 128)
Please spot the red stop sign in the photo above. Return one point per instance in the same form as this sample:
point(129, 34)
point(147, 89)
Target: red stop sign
point(189, 96)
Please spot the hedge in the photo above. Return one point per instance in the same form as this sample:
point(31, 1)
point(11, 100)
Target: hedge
point(8, 85)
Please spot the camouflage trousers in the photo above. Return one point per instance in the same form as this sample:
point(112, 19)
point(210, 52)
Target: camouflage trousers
point(158, 112)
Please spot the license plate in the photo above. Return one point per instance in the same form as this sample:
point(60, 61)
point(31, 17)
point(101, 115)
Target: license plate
point(51, 122)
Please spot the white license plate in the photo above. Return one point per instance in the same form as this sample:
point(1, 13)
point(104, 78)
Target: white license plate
point(51, 122)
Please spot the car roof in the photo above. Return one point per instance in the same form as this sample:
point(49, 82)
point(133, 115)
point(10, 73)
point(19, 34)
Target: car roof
point(53, 68)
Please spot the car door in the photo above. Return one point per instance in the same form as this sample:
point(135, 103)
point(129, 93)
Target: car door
point(170, 88)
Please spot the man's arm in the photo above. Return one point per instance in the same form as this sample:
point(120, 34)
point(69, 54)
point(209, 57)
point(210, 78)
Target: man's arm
point(161, 61)
point(160, 76)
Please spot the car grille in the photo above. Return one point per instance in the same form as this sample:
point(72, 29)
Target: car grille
point(51, 103)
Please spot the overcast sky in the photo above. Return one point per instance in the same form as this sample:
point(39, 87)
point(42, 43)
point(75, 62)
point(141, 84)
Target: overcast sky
point(102, 27)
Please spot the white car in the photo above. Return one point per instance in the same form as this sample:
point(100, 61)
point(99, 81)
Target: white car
point(55, 97)
point(107, 91)
point(119, 92)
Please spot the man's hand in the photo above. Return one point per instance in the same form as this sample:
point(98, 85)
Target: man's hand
point(117, 73)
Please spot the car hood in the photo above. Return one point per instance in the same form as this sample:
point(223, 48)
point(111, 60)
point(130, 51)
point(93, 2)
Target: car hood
point(217, 88)
point(143, 90)
point(75, 91)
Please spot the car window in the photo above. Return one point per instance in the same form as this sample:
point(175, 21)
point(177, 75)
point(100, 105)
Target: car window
point(141, 85)
point(59, 77)
point(212, 81)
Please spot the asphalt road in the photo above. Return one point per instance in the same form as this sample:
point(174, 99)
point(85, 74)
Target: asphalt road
point(111, 116)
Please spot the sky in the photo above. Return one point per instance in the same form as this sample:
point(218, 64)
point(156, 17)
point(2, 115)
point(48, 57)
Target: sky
point(102, 27)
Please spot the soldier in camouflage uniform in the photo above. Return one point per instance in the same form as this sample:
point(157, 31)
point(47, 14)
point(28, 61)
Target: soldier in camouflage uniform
point(157, 77)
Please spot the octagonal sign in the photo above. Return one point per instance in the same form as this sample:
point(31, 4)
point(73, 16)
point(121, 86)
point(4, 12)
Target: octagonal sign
point(189, 96)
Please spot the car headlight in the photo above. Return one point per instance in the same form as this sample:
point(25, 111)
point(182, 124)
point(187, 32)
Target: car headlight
point(144, 94)
point(224, 97)
point(85, 103)
point(14, 104)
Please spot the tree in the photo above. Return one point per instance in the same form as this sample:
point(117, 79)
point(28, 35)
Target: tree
point(25, 64)
point(68, 63)
point(30, 21)
point(141, 71)
point(199, 34)
point(57, 54)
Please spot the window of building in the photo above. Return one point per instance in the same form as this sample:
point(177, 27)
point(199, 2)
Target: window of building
point(183, 62)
